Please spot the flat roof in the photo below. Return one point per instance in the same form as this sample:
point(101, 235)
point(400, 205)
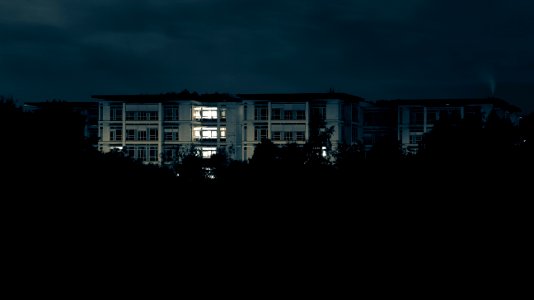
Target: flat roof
point(183, 96)
point(300, 96)
point(450, 101)
point(217, 97)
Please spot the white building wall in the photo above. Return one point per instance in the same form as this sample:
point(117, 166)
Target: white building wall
point(240, 123)
point(233, 130)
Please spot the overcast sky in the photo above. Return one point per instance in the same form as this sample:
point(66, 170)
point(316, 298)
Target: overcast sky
point(376, 49)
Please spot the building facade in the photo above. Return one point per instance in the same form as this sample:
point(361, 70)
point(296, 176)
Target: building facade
point(407, 120)
point(158, 128)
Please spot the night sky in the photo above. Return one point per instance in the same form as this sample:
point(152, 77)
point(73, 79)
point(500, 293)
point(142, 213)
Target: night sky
point(376, 49)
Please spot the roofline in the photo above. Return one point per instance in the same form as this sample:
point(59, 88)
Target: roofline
point(61, 102)
point(216, 97)
point(300, 96)
point(184, 96)
point(448, 101)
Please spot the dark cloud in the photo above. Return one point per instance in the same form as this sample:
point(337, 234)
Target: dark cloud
point(373, 48)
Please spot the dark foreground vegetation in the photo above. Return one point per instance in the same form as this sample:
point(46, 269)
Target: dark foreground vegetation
point(463, 201)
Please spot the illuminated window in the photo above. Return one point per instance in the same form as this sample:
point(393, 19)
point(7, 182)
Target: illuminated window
point(207, 152)
point(223, 133)
point(205, 113)
point(223, 113)
point(205, 133)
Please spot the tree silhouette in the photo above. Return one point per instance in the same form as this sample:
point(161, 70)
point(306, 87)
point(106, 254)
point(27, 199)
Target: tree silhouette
point(266, 156)
point(191, 166)
point(348, 157)
point(318, 148)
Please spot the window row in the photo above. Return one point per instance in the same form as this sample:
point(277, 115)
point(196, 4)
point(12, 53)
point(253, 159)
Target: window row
point(141, 116)
point(261, 114)
point(142, 152)
point(208, 113)
point(149, 134)
point(170, 113)
point(209, 133)
point(417, 115)
point(288, 136)
point(261, 133)
point(282, 114)
point(169, 134)
point(171, 153)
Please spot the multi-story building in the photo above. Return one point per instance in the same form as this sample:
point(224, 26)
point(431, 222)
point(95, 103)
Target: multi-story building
point(292, 118)
point(154, 128)
point(88, 111)
point(409, 119)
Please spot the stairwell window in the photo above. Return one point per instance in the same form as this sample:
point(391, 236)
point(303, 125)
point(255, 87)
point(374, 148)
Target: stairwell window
point(207, 152)
point(116, 113)
point(171, 113)
point(205, 133)
point(115, 134)
point(223, 133)
point(171, 133)
point(260, 112)
point(205, 113)
point(260, 133)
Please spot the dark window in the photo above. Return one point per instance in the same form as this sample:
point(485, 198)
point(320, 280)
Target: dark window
point(260, 113)
point(171, 113)
point(260, 133)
